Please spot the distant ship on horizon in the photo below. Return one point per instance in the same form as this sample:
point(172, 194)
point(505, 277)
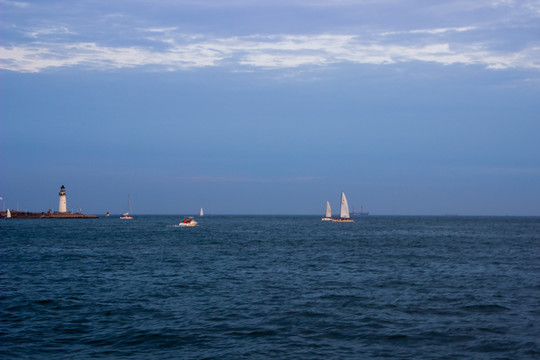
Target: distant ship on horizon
point(361, 213)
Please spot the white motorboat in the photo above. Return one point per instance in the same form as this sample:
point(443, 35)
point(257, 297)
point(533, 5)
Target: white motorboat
point(189, 221)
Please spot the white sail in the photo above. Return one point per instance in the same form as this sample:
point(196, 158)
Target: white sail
point(8, 214)
point(328, 210)
point(344, 210)
point(201, 213)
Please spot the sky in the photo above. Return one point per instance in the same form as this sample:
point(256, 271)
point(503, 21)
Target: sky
point(410, 107)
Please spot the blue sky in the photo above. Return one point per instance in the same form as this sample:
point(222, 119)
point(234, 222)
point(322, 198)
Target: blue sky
point(271, 107)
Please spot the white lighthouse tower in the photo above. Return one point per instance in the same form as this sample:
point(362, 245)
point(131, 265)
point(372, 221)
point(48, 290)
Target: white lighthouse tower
point(62, 205)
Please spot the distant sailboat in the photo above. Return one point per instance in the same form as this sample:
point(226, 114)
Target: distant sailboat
point(8, 214)
point(343, 211)
point(128, 214)
point(201, 213)
point(328, 214)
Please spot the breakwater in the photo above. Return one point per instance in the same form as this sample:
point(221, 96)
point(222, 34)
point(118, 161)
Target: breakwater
point(45, 215)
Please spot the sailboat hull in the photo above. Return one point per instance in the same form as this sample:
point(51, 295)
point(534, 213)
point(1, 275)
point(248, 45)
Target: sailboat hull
point(326, 219)
point(343, 220)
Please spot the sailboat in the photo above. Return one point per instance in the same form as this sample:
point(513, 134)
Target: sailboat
point(328, 215)
point(127, 215)
point(8, 214)
point(343, 211)
point(201, 213)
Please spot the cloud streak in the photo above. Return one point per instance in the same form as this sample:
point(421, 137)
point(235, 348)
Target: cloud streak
point(190, 51)
point(222, 179)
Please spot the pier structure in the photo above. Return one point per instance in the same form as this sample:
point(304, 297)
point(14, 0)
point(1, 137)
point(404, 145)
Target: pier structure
point(62, 212)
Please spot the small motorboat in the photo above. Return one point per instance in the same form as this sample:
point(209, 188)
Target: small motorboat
point(188, 222)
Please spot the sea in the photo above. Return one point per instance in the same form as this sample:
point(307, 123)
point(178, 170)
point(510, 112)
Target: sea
point(270, 287)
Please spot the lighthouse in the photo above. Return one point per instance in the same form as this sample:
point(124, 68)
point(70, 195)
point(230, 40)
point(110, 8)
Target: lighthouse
point(62, 205)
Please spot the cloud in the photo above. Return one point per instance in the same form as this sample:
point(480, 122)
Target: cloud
point(50, 31)
point(431, 31)
point(17, 4)
point(190, 51)
point(188, 34)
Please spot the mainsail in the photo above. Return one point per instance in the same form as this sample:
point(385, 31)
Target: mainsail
point(344, 210)
point(328, 210)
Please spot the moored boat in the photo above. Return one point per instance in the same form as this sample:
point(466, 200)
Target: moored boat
point(127, 215)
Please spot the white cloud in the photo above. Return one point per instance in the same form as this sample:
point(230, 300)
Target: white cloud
point(277, 51)
point(17, 4)
point(434, 31)
point(161, 30)
point(62, 30)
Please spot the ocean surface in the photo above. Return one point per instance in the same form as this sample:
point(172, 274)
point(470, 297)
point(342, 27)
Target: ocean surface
point(279, 287)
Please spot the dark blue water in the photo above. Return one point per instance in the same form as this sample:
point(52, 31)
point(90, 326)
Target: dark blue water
point(271, 287)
